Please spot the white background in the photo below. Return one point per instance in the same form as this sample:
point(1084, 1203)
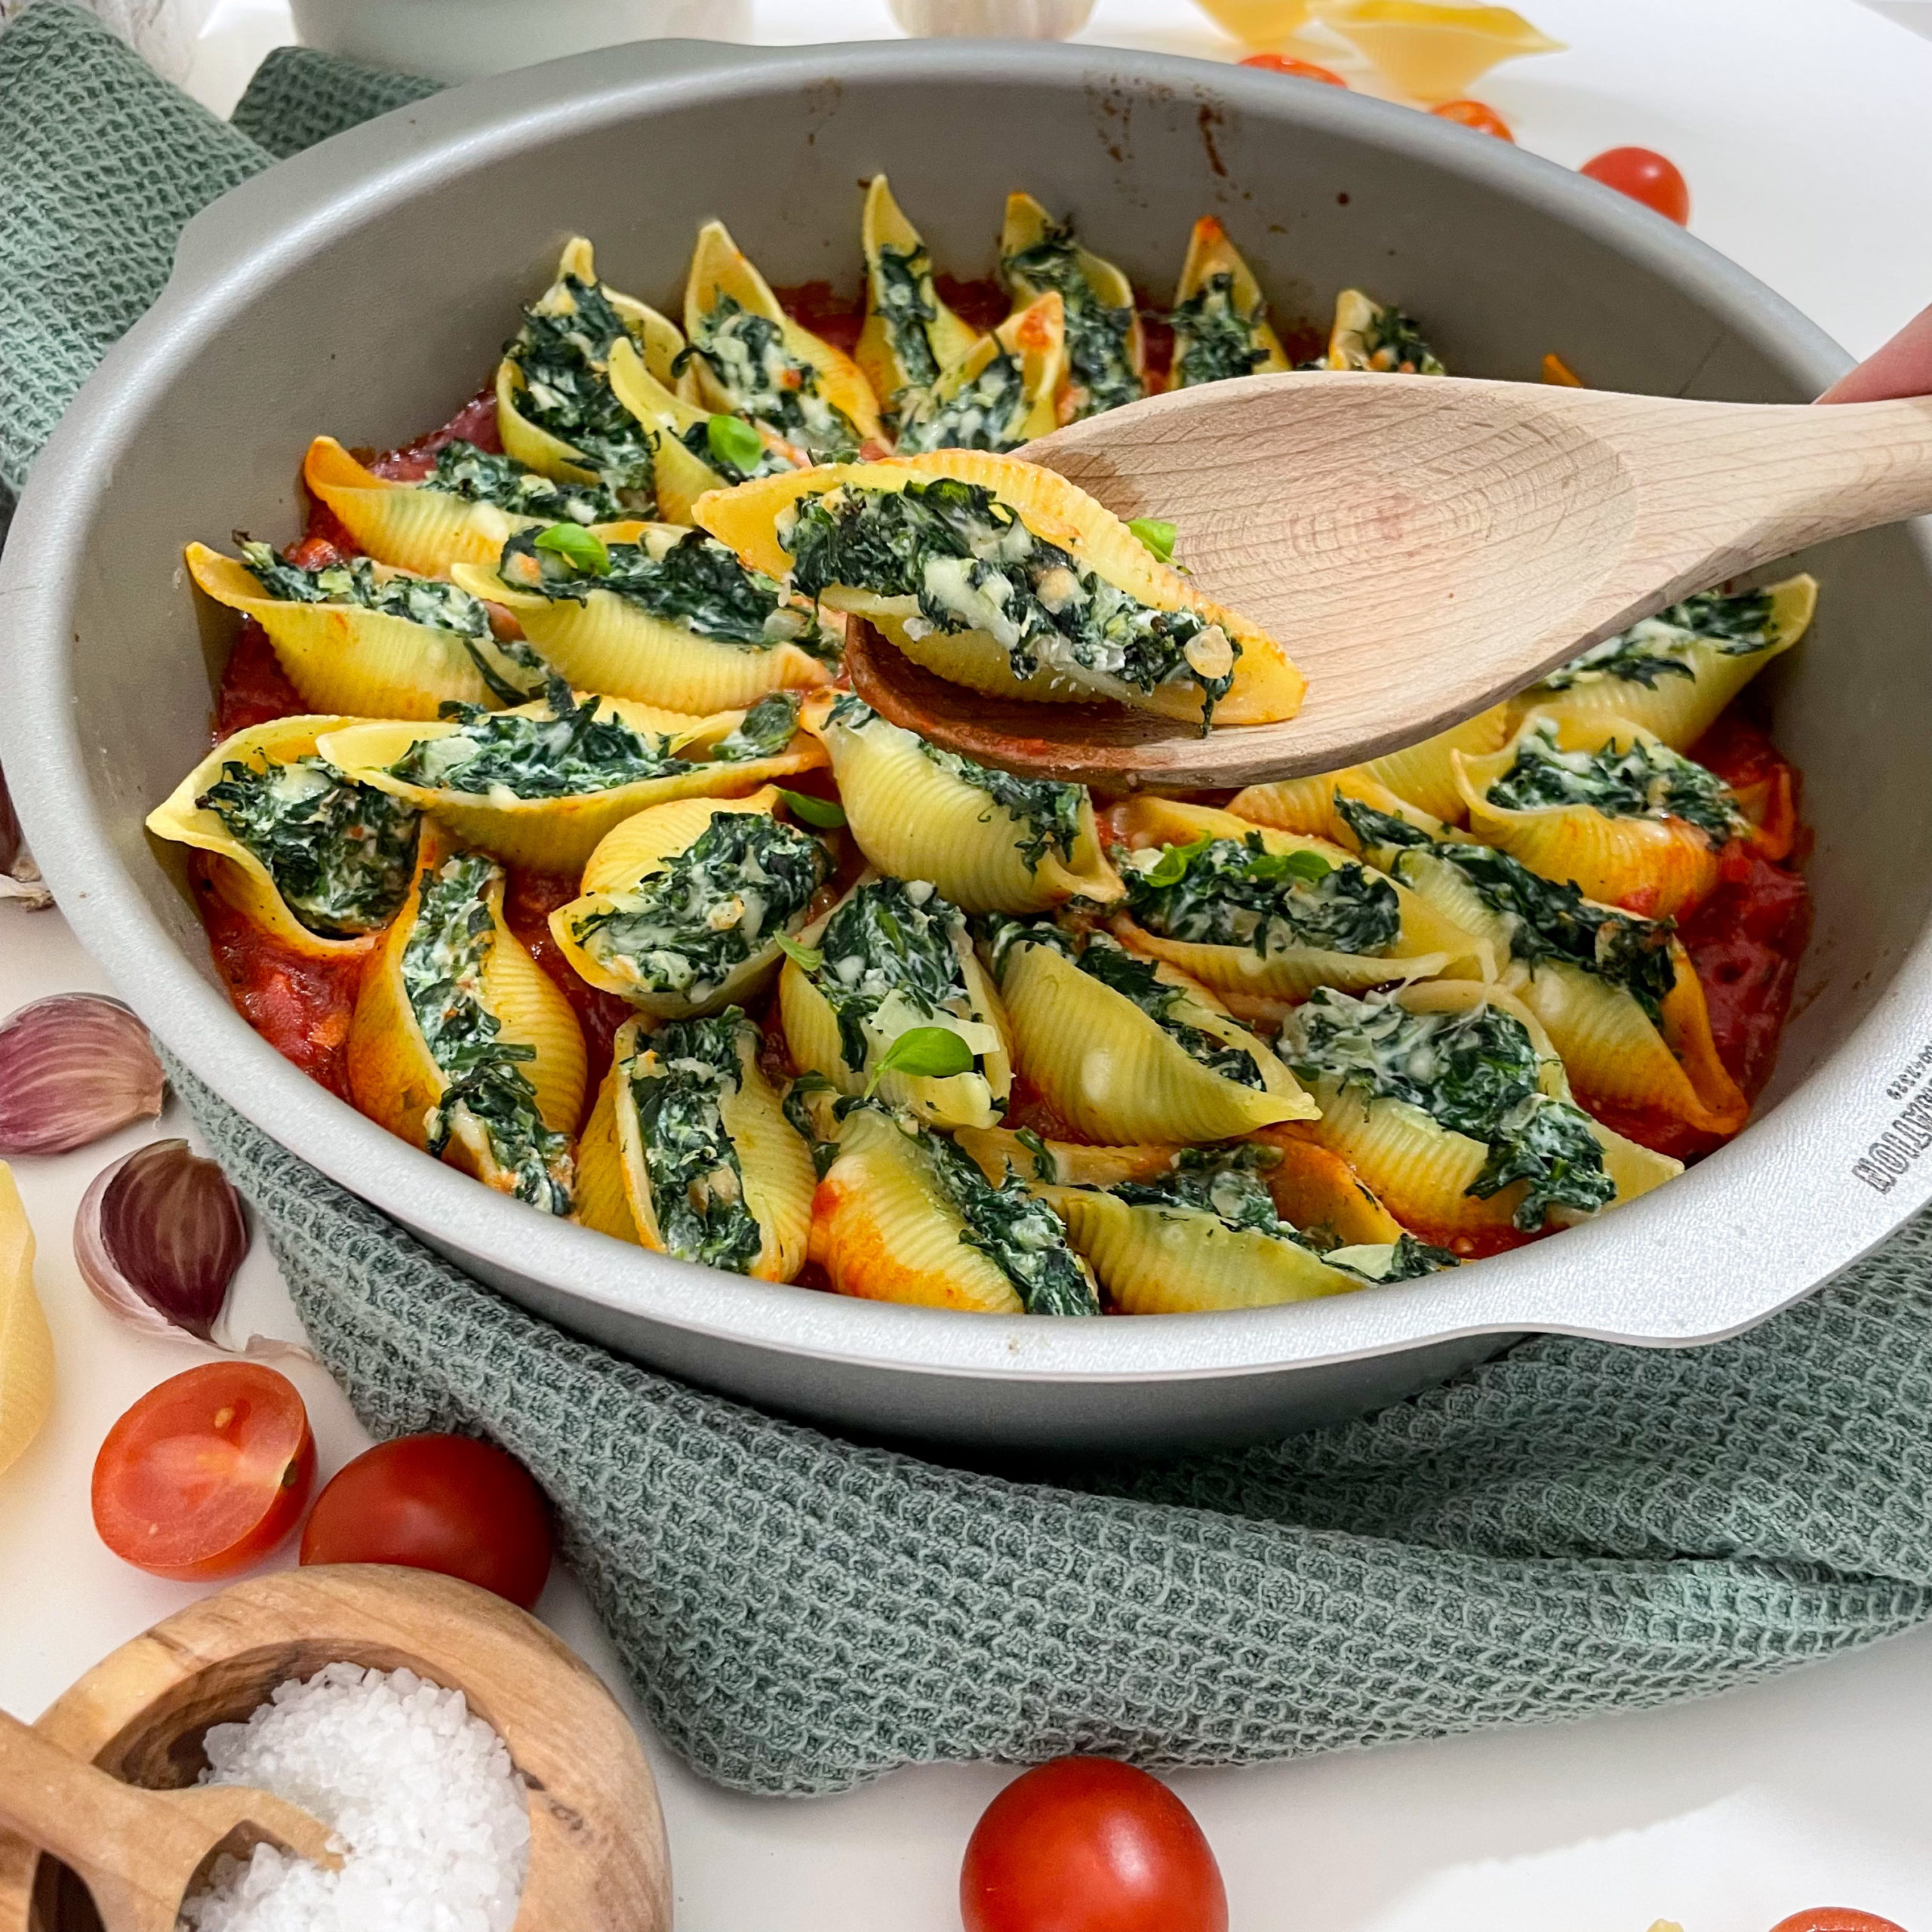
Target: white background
point(1805, 129)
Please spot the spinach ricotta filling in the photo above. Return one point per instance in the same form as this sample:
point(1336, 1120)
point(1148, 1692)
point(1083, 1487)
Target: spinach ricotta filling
point(1544, 921)
point(361, 582)
point(341, 854)
point(900, 280)
point(985, 413)
point(1097, 334)
point(766, 382)
point(565, 359)
point(1214, 339)
point(1660, 647)
point(482, 476)
point(718, 903)
point(1102, 957)
point(678, 1079)
point(1235, 892)
point(1473, 1072)
point(443, 963)
point(974, 566)
point(692, 581)
point(1392, 343)
point(1644, 780)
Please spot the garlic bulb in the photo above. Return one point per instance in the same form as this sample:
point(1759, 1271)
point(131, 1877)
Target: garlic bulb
point(73, 1067)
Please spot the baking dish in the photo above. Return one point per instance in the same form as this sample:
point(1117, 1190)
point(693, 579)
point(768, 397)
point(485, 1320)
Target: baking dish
point(361, 288)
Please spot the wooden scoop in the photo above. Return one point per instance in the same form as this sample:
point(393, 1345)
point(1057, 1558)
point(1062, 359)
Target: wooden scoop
point(1422, 547)
point(141, 1852)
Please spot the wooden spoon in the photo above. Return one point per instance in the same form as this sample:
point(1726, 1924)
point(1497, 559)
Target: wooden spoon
point(140, 1852)
point(1422, 547)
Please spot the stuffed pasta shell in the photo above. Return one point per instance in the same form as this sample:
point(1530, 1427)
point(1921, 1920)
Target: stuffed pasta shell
point(463, 512)
point(684, 904)
point(358, 638)
point(902, 1215)
point(1106, 362)
point(1450, 1101)
point(687, 1151)
point(1373, 335)
point(753, 360)
point(319, 861)
point(1126, 1049)
point(1003, 577)
point(989, 841)
point(1674, 673)
point(671, 619)
point(461, 1044)
point(910, 337)
point(556, 411)
point(998, 395)
point(1220, 316)
point(541, 785)
point(1269, 915)
point(893, 958)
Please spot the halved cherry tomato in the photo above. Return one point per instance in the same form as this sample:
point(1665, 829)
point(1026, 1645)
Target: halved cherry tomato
point(1835, 1918)
point(206, 1473)
point(445, 1502)
point(1305, 70)
point(1645, 176)
point(1475, 114)
point(1084, 1845)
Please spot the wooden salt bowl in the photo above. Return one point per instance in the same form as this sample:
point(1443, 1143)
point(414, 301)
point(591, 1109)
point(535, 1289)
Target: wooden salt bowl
point(597, 1859)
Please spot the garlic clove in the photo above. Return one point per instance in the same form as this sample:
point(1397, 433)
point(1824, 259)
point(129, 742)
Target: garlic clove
point(20, 877)
point(158, 1237)
point(26, 1349)
point(73, 1067)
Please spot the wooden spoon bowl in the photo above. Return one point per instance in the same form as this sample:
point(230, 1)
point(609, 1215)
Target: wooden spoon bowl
point(598, 1858)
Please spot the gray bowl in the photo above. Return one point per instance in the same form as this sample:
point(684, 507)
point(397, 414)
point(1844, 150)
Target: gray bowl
point(363, 289)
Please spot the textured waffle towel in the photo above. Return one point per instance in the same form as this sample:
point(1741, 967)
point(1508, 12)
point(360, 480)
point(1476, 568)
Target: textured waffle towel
point(1572, 1528)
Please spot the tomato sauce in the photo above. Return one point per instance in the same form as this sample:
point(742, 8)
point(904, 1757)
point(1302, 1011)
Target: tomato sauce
point(255, 688)
point(475, 423)
point(529, 899)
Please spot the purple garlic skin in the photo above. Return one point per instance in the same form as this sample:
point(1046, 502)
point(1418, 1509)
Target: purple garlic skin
point(20, 877)
point(158, 1237)
point(73, 1067)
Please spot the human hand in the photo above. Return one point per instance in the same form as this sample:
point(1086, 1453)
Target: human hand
point(1903, 366)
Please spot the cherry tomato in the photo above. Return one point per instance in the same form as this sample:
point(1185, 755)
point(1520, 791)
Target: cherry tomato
point(1645, 177)
point(1475, 114)
point(1306, 70)
point(444, 1502)
point(1084, 1845)
point(206, 1473)
point(1835, 1918)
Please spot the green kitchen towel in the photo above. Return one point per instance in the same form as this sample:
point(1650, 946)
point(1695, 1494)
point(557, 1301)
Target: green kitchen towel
point(1571, 1528)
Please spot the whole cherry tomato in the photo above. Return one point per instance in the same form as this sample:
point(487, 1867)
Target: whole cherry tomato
point(1835, 1918)
point(445, 1502)
point(1084, 1845)
point(1475, 114)
point(206, 1473)
point(1306, 70)
point(1644, 175)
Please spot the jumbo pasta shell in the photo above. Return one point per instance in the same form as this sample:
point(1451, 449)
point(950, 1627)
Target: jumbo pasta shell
point(1025, 224)
point(999, 1151)
point(1314, 1189)
point(345, 659)
point(601, 1200)
point(1239, 973)
point(1036, 337)
point(882, 225)
point(1210, 253)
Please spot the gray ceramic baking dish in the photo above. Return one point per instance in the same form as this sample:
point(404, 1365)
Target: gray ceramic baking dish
point(363, 289)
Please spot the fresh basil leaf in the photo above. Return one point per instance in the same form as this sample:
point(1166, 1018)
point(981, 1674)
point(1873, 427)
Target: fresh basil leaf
point(1156, 535)
point(924, 1053)
point(1311, 867)
point(825, 814)
point(1171, 867)
point(578, 547)
point(731, 439)
point(808, 958)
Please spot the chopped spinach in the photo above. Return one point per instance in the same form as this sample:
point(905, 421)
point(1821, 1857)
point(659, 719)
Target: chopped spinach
point(1474, 1073)
point(694, 581)
point(900, 287)
point(1660, 647)
point(360, 581)
point(764, 731)
point(1405, 1259)
point(747, 354)
point(341, 854)
point(1214, 339)
point(1235, 892)
point(1644, 780)
point(797, 1110)
point(719, 902)
point(987, 414)
point(1379, 832)
point(1097, 334)
point(1392, 343)
point(442, 973)
point(892, 940)
point(974, 566)
point(565, 357)
point(678, 1079)
point(481, 476)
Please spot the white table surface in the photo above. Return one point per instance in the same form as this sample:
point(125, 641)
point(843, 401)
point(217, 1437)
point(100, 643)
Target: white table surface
point(1805, 129)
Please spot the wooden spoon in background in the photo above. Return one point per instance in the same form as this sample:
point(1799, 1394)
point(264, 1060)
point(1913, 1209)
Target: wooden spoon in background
point(1422, 547)
point(140, 1851)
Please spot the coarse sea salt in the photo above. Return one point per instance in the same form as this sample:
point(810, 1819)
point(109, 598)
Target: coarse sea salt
point(432, 1814)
